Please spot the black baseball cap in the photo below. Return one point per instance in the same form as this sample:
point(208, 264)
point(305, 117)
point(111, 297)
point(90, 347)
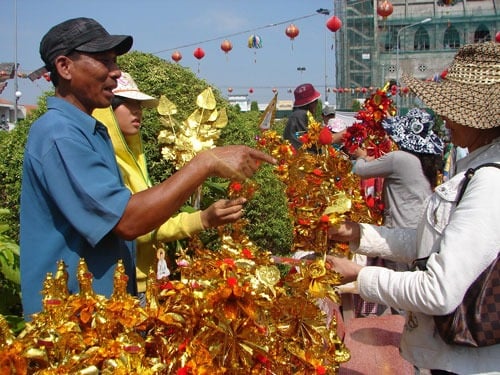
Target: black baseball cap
point(83, 35)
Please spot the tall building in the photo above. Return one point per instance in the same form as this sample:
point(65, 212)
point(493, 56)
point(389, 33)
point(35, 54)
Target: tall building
point(419, 37)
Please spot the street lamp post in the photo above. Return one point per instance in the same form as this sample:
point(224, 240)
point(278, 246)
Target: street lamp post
point(16, 86)
point(325, 12)
point(397, 55)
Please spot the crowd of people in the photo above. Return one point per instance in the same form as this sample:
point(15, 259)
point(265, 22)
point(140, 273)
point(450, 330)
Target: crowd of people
point(86, 191)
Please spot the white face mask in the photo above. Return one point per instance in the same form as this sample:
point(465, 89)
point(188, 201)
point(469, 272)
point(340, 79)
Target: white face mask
point(331, 122)
point(336, 125)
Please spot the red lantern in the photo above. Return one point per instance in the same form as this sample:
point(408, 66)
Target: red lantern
point(176, 56)
point(292, 31)
point(443, 74)
point(405, 90)
point(250, 90)
point(364, 90)
point(497, 37)
point(385, 8)
point(334, 23)
point(199, 53)
point(230, 89)
point(226, 46)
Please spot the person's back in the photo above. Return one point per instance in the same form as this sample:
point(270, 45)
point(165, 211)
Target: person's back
point(405, 186)
point(306, 100)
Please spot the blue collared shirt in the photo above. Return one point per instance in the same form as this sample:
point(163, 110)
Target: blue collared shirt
point(72, 197)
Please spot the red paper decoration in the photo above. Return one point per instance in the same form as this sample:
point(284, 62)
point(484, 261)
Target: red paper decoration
point(199, 53)
point(334, 24)
point(176, 56)
point(385, 9)
point(497, 37)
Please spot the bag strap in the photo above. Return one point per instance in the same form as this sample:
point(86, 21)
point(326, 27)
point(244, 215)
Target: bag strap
point(468, 175)
point(421, 263)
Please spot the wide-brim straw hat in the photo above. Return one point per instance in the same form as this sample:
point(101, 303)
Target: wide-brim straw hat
point(469, 94)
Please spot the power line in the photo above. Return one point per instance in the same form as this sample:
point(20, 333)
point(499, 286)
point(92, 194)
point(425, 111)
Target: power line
point(320, 11)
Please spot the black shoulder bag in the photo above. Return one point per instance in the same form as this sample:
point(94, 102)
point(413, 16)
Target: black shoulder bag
point(476, 321)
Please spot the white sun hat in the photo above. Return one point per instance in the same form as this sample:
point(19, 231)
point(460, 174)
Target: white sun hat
point(127, 88)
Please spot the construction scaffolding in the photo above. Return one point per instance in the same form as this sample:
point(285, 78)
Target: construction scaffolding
point(373, 50)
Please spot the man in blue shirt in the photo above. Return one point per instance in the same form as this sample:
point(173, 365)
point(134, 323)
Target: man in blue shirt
point(73, 201)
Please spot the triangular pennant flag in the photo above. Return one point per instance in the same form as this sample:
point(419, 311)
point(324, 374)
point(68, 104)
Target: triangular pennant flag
point(267, 118)
point(33, 76)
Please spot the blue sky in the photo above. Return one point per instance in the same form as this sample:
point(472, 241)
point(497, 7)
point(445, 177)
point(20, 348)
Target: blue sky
point(161, 26)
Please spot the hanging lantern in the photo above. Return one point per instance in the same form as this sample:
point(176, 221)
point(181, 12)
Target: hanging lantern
point(199, 54)
point(250, 90)
point(405, 90)
point(226, 46)
point(254, 41)
point(292, 31)
point(497, 37)
point(385, 9)
point(334, 24)
point(364, 90)
point(230, 89)
point(176, 56)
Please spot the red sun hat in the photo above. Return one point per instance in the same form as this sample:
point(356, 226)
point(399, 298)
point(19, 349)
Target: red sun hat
point(305, 94)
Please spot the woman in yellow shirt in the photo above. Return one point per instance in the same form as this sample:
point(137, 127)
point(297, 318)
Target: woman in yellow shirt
point(123, 121)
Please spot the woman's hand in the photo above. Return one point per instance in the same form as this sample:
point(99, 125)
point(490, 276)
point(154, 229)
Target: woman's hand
point(348, 231)
point(347, 268)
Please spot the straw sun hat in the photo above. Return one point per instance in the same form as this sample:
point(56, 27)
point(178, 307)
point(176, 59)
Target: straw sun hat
point(470, 92)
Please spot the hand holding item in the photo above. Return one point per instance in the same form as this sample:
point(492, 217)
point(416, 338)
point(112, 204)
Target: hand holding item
point(222, 212)
point(347, 231)
point(346, 267)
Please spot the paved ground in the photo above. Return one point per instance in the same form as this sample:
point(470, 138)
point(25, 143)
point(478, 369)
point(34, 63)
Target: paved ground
point(373, 343)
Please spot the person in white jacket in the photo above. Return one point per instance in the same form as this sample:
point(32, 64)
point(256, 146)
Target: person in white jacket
point(460, 241)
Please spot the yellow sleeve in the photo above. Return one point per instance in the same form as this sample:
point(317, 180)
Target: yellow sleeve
point(180, 226)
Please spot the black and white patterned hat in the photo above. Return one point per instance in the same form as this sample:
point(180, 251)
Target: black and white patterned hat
point(413, 132)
